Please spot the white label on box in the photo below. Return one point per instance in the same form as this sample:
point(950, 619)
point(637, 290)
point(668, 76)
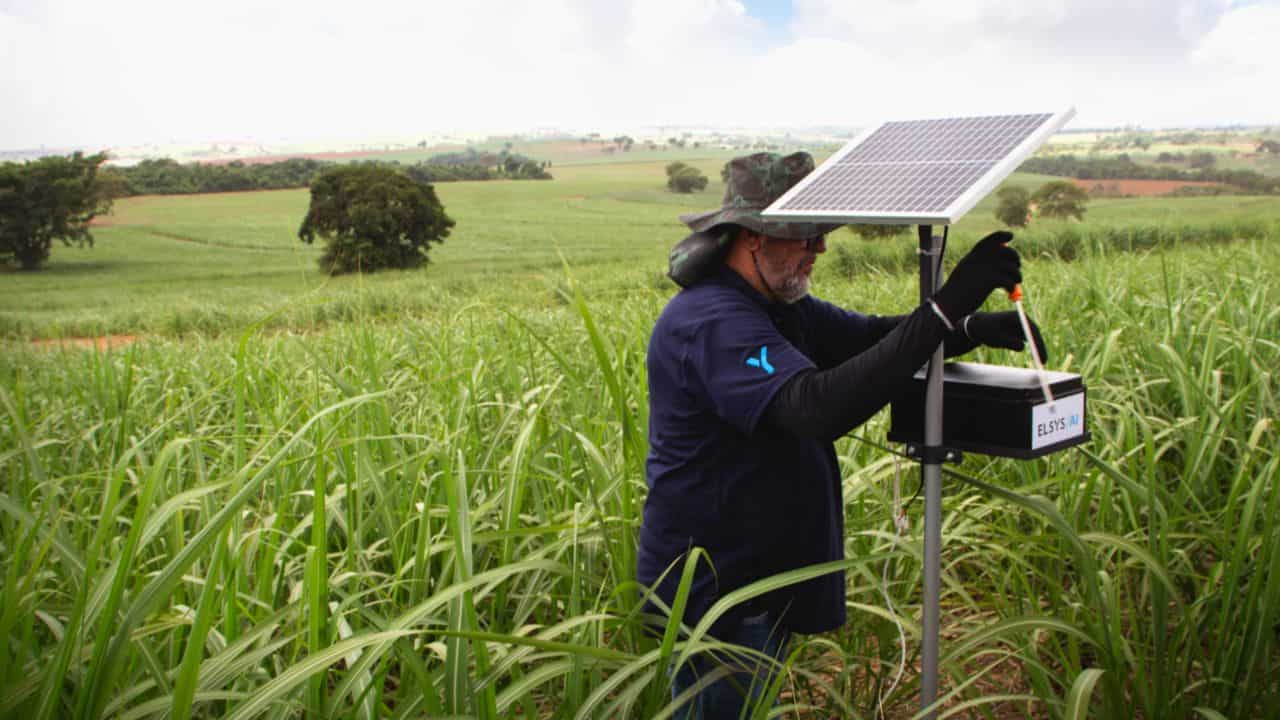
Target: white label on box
point(1052, 424)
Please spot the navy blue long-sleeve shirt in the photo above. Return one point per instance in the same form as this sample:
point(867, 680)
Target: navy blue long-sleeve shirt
point(732, 466)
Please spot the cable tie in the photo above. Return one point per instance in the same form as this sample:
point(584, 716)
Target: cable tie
point(902, 523)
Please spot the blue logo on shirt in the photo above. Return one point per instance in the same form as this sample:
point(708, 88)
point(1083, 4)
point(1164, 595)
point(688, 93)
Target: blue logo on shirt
point(761, 362)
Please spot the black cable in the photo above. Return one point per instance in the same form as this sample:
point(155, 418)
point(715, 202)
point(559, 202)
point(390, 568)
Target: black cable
point(904, 456)
point(946, 229)
point(919, 488)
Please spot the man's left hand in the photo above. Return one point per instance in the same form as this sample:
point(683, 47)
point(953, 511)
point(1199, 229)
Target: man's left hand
point(1002, 330)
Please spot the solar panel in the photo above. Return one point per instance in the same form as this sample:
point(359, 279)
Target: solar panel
point(916, 172)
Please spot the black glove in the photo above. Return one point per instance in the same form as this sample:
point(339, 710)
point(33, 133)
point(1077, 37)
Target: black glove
point(1002, 330)
point(989, 265)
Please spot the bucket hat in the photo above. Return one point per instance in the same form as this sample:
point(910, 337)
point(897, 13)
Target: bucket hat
point(755, 181)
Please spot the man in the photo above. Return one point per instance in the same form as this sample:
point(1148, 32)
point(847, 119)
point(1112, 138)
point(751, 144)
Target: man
point(751, 381)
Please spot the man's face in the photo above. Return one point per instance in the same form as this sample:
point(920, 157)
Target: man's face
point(787, 264)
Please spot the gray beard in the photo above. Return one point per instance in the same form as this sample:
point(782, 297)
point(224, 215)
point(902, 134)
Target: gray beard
point(792, 289)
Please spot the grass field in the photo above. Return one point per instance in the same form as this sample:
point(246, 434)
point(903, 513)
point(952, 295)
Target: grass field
point(1233, 150)
point(218, 263)
point(417, 494)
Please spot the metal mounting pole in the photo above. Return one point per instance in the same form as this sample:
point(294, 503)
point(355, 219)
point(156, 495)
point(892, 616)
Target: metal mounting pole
point(931, 475)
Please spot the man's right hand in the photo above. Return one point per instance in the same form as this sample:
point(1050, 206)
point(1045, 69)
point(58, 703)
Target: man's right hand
point(989, 265)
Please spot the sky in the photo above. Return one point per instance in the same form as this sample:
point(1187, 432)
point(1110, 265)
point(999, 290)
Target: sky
point(98, 74)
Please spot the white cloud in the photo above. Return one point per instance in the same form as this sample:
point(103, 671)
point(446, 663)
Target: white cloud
point(86, 72)
point(691, 31)
point(1118, 62)
point(1238, 39)
point(1017, 28)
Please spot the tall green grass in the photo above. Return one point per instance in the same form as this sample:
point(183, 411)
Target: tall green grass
point(437, 518)
point(1057, 240)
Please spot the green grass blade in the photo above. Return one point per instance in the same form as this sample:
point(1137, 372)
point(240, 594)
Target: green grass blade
point(103, 666)
point(282, 686)
point(184, 690)
point(164, 582)
point(1080, 694)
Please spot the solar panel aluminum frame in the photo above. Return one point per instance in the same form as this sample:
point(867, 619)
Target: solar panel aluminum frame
point(979, 189)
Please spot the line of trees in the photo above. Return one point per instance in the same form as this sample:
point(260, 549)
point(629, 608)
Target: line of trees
point(372, 215)
point(1198, 160)
point(169, 177)
point(1122, 167)
point(502, 164)
point(433, 173)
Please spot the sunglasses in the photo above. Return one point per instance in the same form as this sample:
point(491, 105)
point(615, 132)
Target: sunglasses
point(810, 243)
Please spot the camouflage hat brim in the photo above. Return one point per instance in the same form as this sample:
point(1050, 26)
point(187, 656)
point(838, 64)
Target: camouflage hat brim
point(751, 219)
point(752, 183)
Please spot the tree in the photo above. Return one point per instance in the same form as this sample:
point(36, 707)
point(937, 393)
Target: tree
point(682, 178)
point(1060, 199)
point(373, 217)
point(50, 198)
point(1014, 206)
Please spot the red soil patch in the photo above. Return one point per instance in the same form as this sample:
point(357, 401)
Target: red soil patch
point(1136, 188)
point(102, 342)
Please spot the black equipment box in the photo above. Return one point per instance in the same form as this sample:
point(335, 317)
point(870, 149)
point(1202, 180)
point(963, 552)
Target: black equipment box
point(996, 410)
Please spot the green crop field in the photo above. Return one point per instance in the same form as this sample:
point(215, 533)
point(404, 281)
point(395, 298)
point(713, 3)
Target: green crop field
point(175, 265)
point(417, 494)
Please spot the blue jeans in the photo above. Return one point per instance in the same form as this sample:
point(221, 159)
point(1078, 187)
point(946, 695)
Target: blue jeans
point(732, 696)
